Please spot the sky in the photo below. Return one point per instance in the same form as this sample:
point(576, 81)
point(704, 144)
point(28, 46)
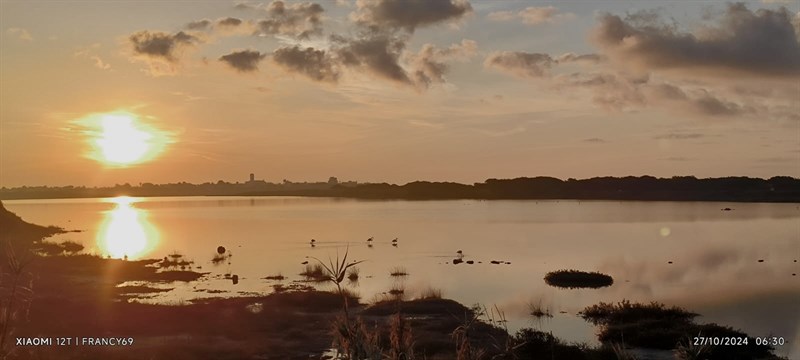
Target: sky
point(100, 93)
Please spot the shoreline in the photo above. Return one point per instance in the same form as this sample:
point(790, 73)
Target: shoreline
point(778, 189)
point(411, 199)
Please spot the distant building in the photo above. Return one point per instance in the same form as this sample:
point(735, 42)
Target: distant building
point(333, 181)
point(253, 182)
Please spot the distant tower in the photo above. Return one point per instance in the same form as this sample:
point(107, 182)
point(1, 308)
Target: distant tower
point(252, 177)
point(333, 180)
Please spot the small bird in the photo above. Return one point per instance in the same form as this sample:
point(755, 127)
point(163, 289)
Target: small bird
point(313, 241)
point(370, 239)
point(459, 252)
point(304, 263)
point(394, 241)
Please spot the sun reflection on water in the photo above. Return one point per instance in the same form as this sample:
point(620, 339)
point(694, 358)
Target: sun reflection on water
point(125, 231)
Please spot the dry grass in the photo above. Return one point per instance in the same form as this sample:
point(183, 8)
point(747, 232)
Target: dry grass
point(398, 271)
point(353, 274)
point(401, 342)
point(687, 350)
point(350, 293)
point(314, 272)
point(277, 277)
point(16, 298)
point(538, 310)
point(397, 291)
point(430, 293)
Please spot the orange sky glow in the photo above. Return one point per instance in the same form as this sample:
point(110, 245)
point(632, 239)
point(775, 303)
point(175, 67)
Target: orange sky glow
point(100, 93)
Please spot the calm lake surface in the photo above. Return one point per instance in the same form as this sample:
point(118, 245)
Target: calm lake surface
point(715, 271)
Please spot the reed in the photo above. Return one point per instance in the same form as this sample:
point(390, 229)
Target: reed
point(17, 286)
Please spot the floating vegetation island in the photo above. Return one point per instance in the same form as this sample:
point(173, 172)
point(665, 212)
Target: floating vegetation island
point(575, 279)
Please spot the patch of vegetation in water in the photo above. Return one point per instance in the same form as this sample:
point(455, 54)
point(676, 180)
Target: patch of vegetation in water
point(49, 248)
point(314, 272)
point(657, 326)
point(575, 279)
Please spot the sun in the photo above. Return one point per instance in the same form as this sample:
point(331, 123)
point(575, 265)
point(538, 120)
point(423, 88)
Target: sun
point(121, 138)
point(120, 142)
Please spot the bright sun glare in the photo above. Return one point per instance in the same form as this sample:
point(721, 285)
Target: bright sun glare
point(125, 232)
point(122, 139)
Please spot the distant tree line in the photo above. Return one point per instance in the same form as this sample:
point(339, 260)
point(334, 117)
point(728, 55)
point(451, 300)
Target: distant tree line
point(683, 188)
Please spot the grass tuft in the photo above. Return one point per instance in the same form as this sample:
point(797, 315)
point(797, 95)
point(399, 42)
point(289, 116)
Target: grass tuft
point(315, 272)
point(353, 274)
point(398, 271)
point(430, 293)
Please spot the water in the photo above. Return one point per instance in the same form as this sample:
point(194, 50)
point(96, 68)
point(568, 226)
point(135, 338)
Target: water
point(715, 269)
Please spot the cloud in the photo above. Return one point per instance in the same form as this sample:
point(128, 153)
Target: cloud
point(764, 42)
point(160, 50)
point(533, 15)
point(100, 64)
point(584, 58)
point(20, 33)
point(711, 105)
point(318, 65)
point(408, 14)
point(383, 55)
point(160, 45)
point(535, 65)
point(616, 92)
point(243, 60)
point(229, 22)
point(88, 52)
point(198, 25)
point(429, 64)
point(299, 20)
point(378, 53)
point(524, 64)
point(620, 92)
point(246, 6)
point(226, 26)
point(700, 101)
